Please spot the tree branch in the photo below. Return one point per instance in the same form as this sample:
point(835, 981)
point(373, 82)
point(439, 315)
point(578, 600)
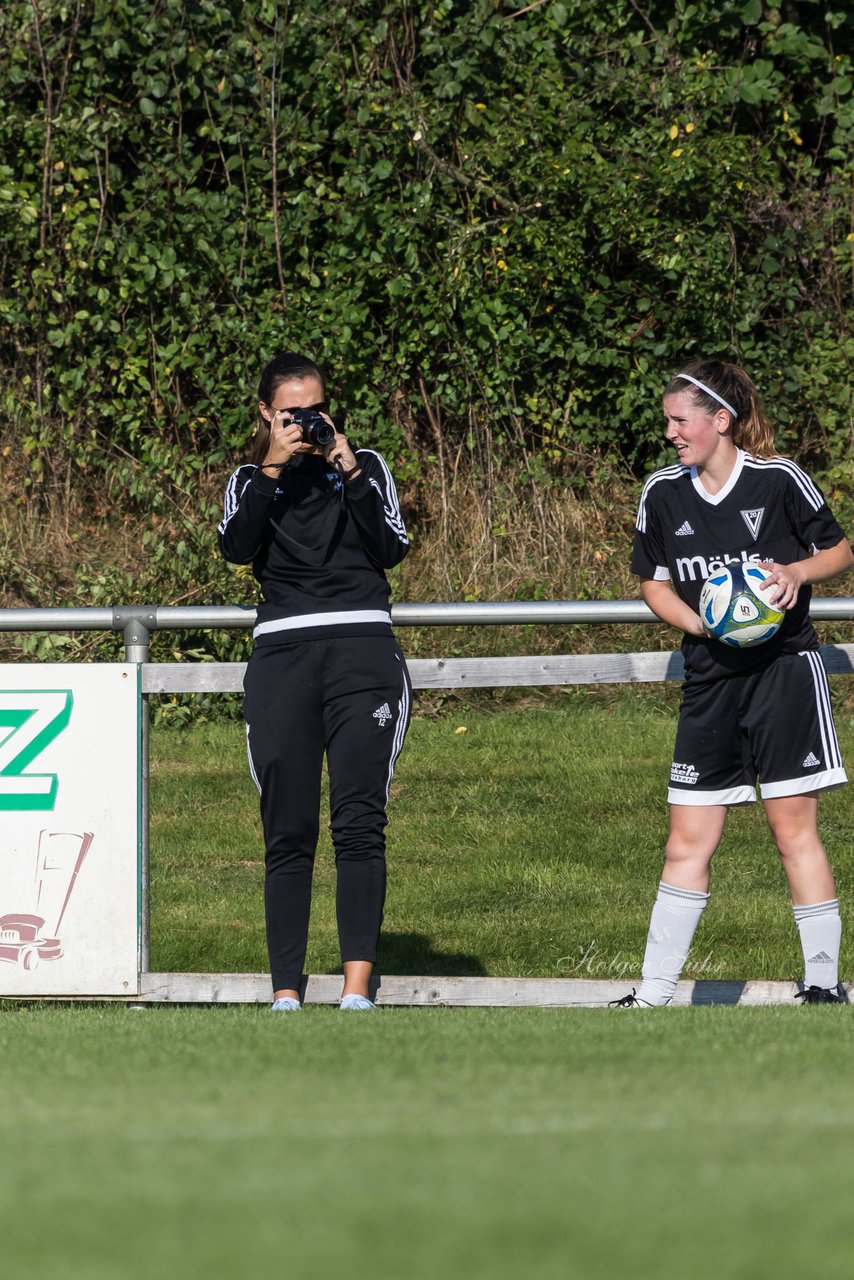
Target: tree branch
point(451, 170)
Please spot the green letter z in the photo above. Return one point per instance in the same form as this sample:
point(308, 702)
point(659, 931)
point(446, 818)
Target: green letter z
point(34, 718)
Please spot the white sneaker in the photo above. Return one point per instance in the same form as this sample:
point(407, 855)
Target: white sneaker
point(285, 1004)
point(356, 1002)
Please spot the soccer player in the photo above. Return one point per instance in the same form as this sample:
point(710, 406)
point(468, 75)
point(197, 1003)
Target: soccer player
point(319, 524)
point(754, 713)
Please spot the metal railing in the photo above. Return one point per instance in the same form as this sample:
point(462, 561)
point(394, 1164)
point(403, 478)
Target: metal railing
point(137, 622)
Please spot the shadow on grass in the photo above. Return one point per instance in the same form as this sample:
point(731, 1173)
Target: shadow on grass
point(413, 953)
point(717, 992)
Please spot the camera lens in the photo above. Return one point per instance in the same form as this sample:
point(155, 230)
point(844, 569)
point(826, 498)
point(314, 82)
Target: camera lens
point(320, 434)
point(316, 430)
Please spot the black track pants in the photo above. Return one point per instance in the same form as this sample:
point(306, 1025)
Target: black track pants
point(350, 698)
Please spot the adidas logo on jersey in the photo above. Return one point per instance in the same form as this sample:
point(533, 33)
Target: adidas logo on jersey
point(382, 715)
point(810, 762)
point(684, 530)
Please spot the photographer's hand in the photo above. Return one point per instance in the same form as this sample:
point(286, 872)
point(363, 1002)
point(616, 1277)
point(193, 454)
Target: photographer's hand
point(343, 458)
point(285, 441)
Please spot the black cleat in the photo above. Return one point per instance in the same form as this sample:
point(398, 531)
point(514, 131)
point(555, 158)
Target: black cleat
point(629, 1002)
point(823, 995)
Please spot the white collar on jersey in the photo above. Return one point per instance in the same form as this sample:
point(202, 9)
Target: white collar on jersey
point(714, 498)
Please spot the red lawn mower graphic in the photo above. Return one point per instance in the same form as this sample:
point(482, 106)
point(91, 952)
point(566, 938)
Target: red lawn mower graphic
point(27, 939)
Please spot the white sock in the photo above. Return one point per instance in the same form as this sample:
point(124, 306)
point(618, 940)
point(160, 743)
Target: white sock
point(821, 933)
point(675, 916)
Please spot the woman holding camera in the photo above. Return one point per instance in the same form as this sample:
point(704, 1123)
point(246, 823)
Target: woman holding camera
point(319, 523)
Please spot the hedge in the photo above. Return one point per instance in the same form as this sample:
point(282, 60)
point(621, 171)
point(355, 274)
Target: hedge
point(501, 226)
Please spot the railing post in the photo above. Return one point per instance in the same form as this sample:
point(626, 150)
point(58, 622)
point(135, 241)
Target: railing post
point(136, 625)
point(144, 841)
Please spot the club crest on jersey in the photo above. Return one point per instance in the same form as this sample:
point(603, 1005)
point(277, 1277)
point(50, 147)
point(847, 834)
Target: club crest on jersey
point(382, 715)
point(753, 520)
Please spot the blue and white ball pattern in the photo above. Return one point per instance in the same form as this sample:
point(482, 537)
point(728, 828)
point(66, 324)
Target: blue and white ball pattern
point(734, 605)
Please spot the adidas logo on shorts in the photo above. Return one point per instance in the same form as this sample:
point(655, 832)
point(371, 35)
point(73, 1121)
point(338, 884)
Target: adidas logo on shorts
point(382, 715)
point(684, 530)
point(810, 762)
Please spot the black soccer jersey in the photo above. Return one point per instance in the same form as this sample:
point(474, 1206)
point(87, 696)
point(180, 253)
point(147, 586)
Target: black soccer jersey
point(318, 547)
point(769, 509)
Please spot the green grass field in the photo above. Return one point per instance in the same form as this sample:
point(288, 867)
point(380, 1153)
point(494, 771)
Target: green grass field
point(521, 842)
point(229, 1142)
point(679, 1144)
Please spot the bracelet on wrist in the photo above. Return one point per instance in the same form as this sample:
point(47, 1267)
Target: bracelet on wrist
point(351, 475)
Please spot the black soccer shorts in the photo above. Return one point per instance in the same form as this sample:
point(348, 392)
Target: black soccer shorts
point(773, 725)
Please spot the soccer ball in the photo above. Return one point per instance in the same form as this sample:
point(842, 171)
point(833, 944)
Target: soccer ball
point(734, 605)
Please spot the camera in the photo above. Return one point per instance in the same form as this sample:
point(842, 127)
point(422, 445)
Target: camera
point(315, 429)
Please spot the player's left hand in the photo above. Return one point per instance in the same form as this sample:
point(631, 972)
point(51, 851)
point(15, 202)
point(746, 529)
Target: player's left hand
point(788, 579)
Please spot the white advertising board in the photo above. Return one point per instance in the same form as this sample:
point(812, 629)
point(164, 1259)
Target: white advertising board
point(69, 829)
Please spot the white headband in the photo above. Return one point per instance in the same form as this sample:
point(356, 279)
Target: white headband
point(708, 391)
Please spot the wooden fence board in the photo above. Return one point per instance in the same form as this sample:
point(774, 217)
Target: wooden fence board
point(475, 673)
point(391, 990)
